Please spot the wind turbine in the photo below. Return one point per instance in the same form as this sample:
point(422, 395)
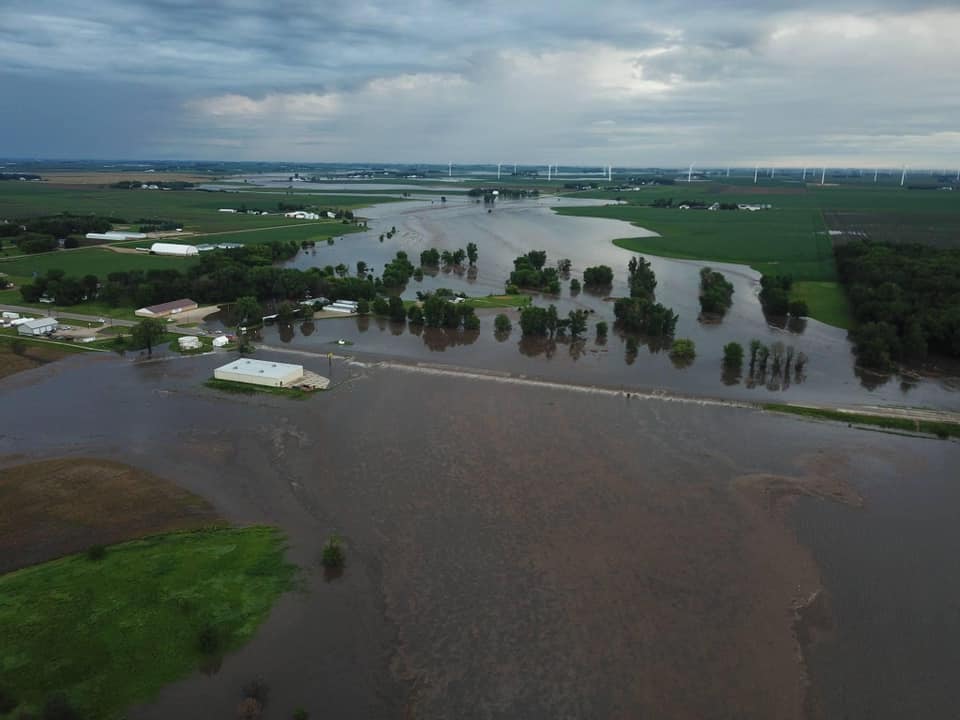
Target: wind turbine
point(449, 169)
point(609, 173)
point(514, 168)
point(823, 176)
point(498, 172)
point(903, 176)
point(728, 172)
point(773, 171)
point(804, 175)
point(756, 172)
point(876, 171)
point(690, 173)
point(549, 168)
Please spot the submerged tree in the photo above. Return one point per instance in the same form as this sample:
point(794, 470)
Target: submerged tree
point(147, 333)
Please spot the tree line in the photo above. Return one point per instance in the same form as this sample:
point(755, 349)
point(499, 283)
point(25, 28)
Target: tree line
point(40, 234)
point(219, 276)
point(775, 297)
point(530, 271)
point(905, 300)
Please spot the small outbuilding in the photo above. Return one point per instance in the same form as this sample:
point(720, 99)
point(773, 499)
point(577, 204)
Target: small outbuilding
point(177, 249)
point(38, 326)
point(189, 342)
point(260, 372)
point(168, 308)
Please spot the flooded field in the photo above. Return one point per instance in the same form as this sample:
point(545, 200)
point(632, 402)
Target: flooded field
point(525, 551)
point(513, 228)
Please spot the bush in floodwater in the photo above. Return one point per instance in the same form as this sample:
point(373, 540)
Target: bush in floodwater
point(333, 555)
point(683, 349)
point(301, 714)
point(601, 330)
point(733, 355)
point(96, 553)
point(632, 345)
point(502, 324)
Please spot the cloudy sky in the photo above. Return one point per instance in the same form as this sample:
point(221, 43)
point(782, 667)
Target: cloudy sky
point(638, 82)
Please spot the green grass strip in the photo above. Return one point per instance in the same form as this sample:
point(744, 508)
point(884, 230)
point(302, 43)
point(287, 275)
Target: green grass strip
point(940, 428)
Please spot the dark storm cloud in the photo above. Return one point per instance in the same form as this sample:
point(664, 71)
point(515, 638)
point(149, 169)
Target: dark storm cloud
point(653, 81)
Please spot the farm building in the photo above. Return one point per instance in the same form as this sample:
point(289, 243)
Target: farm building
point(160, 248)
point(189, 342)
point(302, 215)
point(39, 326)
point(168, 308)
point(260, 372)
point(115, 235)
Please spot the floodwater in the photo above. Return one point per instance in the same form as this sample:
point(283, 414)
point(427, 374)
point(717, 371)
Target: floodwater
point(513, 228)
point(518, 550)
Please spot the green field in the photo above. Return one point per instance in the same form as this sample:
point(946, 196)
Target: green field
point(789, 239)
point(109, 633)
point(247, 389)
point(92, 261)
point(826, 301)
point(196, 210)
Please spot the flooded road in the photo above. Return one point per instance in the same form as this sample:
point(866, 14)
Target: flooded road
point(521, 551)
point(515, 227)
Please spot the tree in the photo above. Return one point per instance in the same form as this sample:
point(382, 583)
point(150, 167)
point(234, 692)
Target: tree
point(683, 349)
point(502, 324)
point(755, 346)
point(361, 268)
point(381, 306)
point(147, 333)
point(601, 330)
point(472, 253)
point(733, 355)
point(363, 306)
point(398, 313)
point(798, 308)
point(285, 312)
point(247, 310)
point(578, 323)
point(598, 276)
point(574, 286)
point(642, 279)
point(415, 315)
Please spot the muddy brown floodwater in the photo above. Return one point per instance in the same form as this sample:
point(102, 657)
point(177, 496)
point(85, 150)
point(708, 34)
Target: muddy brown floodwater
point(523, 551)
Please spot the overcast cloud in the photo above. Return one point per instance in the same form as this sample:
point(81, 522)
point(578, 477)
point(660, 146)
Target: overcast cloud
point(847, 82)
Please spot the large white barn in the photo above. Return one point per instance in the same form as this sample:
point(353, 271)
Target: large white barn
point(161, 248)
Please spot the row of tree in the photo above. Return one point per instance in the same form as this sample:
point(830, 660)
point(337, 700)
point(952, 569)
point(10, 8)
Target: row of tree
point(432, 258)
point(40, 234)
point(905, 300)
point(545, 322)
point(221, 276)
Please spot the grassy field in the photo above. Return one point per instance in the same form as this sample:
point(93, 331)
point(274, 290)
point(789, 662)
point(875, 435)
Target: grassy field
point(789, 239)
point(196, 210)
point(826, 302)
point(941, 429)
point(785, 241)
point(111, 632)
point(92, 261)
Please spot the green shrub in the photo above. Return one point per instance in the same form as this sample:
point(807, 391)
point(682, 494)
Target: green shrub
point(333, 555)
point(601, 330)
point(733, 355)
point(683, 349)
point(301, 714)
point(502, 324)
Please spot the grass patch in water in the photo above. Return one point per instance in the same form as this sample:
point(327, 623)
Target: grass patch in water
point(110, 631)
